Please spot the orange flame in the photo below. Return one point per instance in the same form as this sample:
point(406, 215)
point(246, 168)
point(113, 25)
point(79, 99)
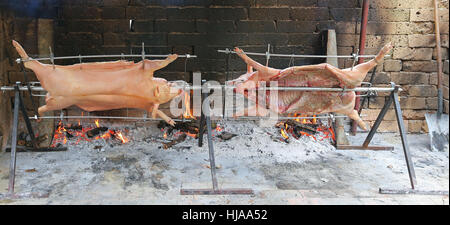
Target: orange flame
point(165, 135)
point(283, 133)
point(96, 123)
point(187, 104)
point(218, 128)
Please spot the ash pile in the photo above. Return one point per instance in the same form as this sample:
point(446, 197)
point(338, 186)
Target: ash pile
point(291, 140)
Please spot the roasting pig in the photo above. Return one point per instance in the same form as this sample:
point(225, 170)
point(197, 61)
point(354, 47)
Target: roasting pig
point(304, 102)
point(104, 85)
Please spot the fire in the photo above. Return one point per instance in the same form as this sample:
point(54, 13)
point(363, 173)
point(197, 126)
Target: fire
point(218, 128)
point(165, 135)
point(63, 135)
point(301, 126)
point(187, 104)
point(121, 137)
point(283, 133)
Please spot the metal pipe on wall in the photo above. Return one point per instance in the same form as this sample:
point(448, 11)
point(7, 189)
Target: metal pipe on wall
point(362, 46)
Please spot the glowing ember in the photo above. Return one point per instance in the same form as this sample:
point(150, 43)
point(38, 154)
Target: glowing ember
point(165, 135)
point(191, 135)
point(63, 135)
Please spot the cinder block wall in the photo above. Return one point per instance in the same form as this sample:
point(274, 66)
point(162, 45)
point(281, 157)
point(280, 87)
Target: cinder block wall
point(201, 27)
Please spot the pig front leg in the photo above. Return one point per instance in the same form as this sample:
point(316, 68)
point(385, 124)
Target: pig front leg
point(56, 103)
point(156, 112)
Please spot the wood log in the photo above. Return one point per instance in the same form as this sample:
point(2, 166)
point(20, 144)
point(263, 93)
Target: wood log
point(180, 139)
point(6, 19)
point(341, 138)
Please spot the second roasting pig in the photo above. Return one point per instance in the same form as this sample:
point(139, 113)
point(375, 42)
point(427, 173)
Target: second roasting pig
point(305, 102)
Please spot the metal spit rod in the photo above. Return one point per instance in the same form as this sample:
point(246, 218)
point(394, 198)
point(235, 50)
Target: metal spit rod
point(19, 60)
point(182, 120)
point(227, 51)
point(102, 117)
point(357, 89)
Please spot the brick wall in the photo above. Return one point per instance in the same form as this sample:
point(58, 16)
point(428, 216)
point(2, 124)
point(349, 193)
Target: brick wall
point(201, 27)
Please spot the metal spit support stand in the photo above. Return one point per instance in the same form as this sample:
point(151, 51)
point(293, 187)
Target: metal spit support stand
point(19, 103)
point(394, 99)
point(206, 120)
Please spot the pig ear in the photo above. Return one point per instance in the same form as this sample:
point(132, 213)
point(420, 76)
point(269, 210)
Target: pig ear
point(156, 92)
point(249, 69)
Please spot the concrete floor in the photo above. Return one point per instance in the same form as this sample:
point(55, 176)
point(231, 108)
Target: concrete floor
point(148, 175)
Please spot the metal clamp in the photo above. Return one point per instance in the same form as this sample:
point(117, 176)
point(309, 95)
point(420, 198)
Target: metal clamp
point(79, 57)
point(143, 52)
point(52, 57)
point(355, 58)
point(268, 55)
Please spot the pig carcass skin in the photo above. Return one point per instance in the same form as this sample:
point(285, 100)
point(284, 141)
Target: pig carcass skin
point(304, 102)
point(104, 85)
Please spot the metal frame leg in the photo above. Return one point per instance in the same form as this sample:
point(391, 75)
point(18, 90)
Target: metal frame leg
point(394, 99)
point(401, 127)
point(18, 103)
point(12, 165)
point(212, 162)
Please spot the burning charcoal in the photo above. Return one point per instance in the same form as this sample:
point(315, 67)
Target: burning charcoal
point(96, 131)
point(226, 135)
point(180, 139)
point(68, 135)
point(75, 127)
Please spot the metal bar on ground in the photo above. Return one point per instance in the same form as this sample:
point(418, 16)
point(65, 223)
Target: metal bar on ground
point(412, 191)
point(28, 149)
point(359, 147)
